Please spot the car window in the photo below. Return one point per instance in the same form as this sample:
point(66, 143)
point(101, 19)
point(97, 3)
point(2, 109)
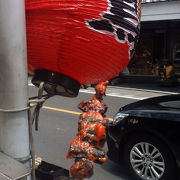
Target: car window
point(171, 104)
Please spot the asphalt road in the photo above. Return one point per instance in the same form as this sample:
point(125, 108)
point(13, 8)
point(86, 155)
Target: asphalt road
point(58, 126)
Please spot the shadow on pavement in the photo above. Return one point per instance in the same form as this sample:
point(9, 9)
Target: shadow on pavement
point(117, 170)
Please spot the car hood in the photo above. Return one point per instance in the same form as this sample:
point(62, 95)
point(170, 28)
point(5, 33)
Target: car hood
point(162, 107)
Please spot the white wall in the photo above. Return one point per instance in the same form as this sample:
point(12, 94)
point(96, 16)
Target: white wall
point(160, 11)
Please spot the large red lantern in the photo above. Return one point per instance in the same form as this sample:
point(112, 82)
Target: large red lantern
point(80, 41)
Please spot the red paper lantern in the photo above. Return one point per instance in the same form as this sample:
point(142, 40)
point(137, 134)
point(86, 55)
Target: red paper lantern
point(85, 41)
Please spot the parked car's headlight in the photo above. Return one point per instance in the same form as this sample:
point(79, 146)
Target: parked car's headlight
point(120, 116)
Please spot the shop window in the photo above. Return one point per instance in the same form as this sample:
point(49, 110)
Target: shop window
point(177, 59)
point(177, 54)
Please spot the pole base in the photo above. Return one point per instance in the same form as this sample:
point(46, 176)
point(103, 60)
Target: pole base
point(11, 169)
point(55, 83)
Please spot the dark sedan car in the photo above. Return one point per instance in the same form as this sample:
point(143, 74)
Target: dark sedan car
point(145, 136)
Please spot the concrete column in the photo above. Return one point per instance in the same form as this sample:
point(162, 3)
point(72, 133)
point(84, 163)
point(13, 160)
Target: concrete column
point(14, 132)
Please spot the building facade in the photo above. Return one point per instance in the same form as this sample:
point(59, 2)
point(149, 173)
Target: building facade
point(159, 41)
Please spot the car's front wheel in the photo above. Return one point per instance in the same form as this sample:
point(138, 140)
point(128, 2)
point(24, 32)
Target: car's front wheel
point(148, 158)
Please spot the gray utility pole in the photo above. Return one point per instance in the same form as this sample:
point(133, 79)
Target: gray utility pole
point(14, 130)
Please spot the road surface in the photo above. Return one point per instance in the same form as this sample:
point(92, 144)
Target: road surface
point(58, 126)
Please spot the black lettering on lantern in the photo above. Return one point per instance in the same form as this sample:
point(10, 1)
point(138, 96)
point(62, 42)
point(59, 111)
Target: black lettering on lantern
point(121, 20)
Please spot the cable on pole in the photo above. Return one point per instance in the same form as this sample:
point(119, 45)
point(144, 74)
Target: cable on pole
point(33, 117)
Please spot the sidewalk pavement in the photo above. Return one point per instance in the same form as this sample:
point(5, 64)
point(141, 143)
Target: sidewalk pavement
point(146, 84)
point(149, 87)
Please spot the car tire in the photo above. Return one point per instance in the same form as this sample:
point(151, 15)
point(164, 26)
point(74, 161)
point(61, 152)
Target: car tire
point(148, 158)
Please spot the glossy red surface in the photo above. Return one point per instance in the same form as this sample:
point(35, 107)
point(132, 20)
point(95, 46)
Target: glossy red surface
point(59, 39)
